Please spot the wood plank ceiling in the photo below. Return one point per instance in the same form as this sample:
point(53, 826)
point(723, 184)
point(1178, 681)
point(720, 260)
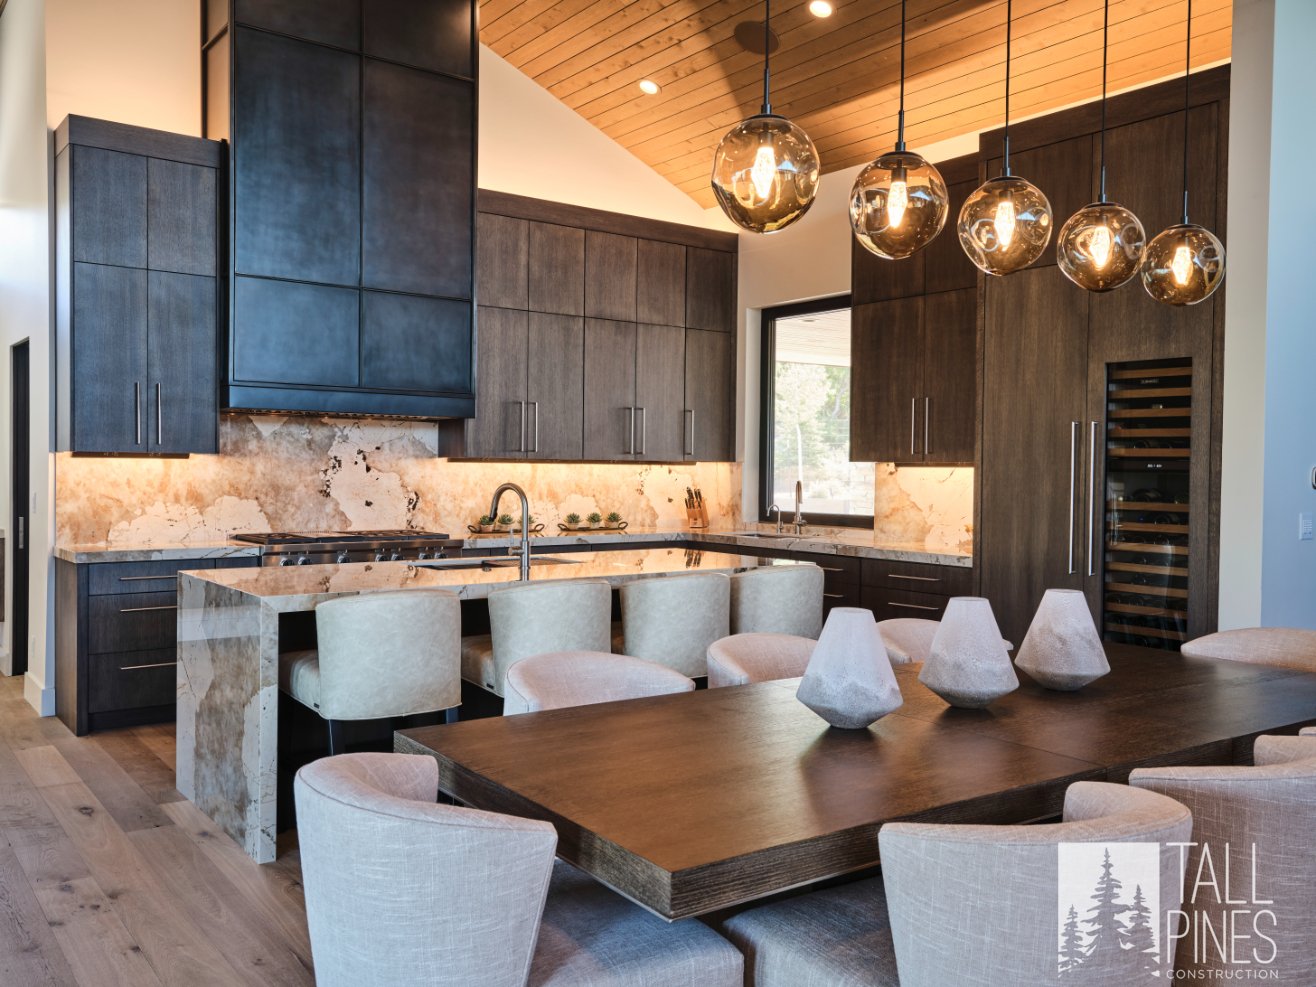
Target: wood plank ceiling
point(836, 77)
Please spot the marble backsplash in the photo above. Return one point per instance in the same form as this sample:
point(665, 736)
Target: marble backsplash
point(927, 505)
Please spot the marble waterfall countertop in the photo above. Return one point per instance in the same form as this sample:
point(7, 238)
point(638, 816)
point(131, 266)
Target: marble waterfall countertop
point(860, 543)
point(228, 659)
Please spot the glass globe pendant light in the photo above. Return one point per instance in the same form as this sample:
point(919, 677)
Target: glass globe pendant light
point(898, 203)
point(1006, 224)
point(1101, 246)
point(1185, 263)
point(765, 170)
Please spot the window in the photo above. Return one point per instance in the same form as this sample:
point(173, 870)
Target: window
point(805, 433)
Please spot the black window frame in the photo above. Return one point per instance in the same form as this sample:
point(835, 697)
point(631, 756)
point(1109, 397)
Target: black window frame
point(767, 402)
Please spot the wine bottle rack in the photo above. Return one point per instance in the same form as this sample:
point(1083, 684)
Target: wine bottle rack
point(1146, 592)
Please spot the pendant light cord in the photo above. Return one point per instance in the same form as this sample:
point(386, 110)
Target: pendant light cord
point(1105, 59)
point(900, 118)
point(767, 48)
point(1187, 71)
point(1009, 10)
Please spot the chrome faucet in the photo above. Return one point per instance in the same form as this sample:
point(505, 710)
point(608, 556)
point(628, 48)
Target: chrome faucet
point(774, 507)
point(525, 523)
point(798, 521)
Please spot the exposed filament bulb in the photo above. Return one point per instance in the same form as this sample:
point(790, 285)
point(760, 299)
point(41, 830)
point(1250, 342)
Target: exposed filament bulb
point(1004, 222)
point(763, 173)
point(1099, 244)
point(1182, 265)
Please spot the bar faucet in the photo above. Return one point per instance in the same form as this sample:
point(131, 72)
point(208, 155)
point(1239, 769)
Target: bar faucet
point(798, 521)
point(774, 507)
point(525, 523)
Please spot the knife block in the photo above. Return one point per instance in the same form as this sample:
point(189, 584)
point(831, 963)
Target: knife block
point(697, 517)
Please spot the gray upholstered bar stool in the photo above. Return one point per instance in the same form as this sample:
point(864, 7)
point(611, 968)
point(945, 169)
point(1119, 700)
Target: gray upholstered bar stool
point(581, 678)
point(909, 639)
point(1257, 823)
point(673, 619)
point(1289, 647)
point(973, 906)
point(778, 599)
point(378, 656)
point(400, 890)
point(533, 618)
point(744, 658)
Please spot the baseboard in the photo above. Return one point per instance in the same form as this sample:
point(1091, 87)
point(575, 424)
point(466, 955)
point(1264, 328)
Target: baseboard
point(39, 697)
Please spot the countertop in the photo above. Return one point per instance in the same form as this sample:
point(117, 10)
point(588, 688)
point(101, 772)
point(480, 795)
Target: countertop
point(858, 543)
point(296, 588)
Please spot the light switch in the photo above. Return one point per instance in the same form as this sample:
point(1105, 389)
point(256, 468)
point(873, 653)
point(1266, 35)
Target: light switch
point(1304, 527)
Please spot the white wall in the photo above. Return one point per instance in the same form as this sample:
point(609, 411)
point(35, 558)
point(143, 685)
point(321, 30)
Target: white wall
point(1268, 576)
point(25, 305)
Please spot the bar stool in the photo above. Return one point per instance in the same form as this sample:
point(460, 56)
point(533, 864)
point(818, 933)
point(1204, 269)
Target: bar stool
point(909, 639)
point(744, 658)
point(1289, 647)
point(673, 619)
point(778, 599)
point(533, 618)
point(581, 678)
point(379, 656)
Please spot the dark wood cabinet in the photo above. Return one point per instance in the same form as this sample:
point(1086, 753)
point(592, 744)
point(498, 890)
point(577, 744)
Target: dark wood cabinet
point(434, 35)
point(886, 353)
point(502, 264)
point(329, 22)
point(137, 318)
point(710, 395)
point(497, 431)
point(950, 376)
point(946, 265)
point(912, 589)
point(555, 386)
point(710, 289)
point(660, 392)
point(556, 269)
point(660, 283)
point(610, 275)
point(876, 279)
point(415, 343)
point(610, 415)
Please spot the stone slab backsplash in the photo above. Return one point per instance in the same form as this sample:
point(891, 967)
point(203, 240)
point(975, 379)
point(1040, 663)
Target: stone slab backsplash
point(928, 505)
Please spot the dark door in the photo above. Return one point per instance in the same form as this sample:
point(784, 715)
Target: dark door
point(182, 391)
point(660, 283)
point(183, 211)
point(108, 393)
point(1033, 435)
point(660, 392)
point(610, 273)
point(498, 429)
point(556, 269)
point(886, 404)
point(502, 268)
point(710, 289)
point(19, 500)
point(950, 369)
point(610, 426)
point(710, 396)
point(555, 389)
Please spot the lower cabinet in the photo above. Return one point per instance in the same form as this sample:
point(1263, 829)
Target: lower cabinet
point(912, 589)
point(116, 640)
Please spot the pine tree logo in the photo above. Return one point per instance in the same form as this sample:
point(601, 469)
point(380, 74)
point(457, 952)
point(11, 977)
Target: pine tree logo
point(1102, 928)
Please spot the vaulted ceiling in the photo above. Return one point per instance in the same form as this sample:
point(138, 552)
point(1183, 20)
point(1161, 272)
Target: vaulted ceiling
point(836, 77)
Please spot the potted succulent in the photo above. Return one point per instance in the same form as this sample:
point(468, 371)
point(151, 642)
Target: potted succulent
point(572, 522)
point(504, 523)
point(516, 525)
point(614, 520)
point(485, 524)
point(594, 518)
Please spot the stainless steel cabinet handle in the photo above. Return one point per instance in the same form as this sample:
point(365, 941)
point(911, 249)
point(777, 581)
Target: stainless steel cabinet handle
point(22, 531)
point(630, 433)
point(137, 410)
point(913, 606)
point(830, 568)
point(644, 431)
point(142, 579)
point(521, 430)
point(535, 446)
point(1092, 497)
point(834, 596)
point(927, 428)
point(691, 451)
point(170, 606)
point(913, 413)
point(159, 415)
point(1073, 463)
point(158, 664)
point(916, 579)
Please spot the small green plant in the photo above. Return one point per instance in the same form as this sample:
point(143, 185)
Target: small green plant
point(504, 519)
point(573, 519)
point(594, 517)
point(485, 520)
point(614, 518)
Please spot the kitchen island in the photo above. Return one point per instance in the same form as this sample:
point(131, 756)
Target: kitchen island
point(229, 646)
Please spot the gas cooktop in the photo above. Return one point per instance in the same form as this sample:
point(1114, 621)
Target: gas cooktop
point(338, 537)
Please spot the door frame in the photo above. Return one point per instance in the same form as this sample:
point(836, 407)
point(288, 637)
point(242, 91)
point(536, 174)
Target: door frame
point(18, 535)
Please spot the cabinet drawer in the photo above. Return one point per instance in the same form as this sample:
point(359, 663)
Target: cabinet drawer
point(945, 580)
point(889, 603)
point(129, 680)
point(841, 596)
point(114, 578)
point(838, 570)
point(132, 622)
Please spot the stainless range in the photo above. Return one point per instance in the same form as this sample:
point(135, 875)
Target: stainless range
point(321, 547)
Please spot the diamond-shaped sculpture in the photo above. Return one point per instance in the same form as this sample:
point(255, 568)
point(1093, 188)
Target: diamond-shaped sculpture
point(968, 665)
point(1062, 649)
point(849, 681)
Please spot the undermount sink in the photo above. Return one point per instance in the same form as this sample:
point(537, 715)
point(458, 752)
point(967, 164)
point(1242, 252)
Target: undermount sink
point(496, 562)
point(766, 534)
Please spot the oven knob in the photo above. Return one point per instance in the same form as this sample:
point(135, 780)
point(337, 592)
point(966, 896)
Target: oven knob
point(303, 560)
point(285, 561)
point(342, 557)
point(379, 556)
point(422, 554)
point(395, 557)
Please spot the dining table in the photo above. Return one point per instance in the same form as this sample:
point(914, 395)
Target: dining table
point(699, 801)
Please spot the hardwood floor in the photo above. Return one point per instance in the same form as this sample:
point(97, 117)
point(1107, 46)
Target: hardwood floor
point(109, 876)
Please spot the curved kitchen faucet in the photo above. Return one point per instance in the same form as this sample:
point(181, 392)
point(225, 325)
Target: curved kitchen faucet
point(525, 523)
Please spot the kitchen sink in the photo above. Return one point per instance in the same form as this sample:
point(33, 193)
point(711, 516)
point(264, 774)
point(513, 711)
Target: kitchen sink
point(494, 562)
point(765, 534)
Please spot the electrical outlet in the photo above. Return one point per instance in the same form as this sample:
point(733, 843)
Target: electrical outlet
point(1304, 527)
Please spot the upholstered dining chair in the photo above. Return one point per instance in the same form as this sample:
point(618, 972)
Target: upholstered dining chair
point(1290, 647)
point(909, 639)
point(743, 658)
point(973, 906)
point(778, 599)
point(581, 678)
point(400, 890)
point(379, 656)
point(1258, 822)
point(673, 619)
point(533, 618)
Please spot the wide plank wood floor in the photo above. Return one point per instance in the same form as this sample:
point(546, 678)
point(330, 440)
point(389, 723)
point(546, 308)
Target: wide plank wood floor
point(108, 876)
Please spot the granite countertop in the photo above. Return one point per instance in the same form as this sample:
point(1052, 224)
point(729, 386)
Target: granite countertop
point(296, 588)
point(858, 543)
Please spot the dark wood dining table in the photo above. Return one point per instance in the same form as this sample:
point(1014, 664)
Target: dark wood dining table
point(699, 801)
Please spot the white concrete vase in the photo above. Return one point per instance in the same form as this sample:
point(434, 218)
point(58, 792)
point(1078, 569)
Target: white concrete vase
point(968, 665)
point(1062, 649)
point(849, 681)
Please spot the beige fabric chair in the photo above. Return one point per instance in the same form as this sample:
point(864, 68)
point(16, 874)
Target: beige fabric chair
point(1289, 647)
point(744, 658)
point(400, 890)
point(673, 619)
point(581, 678)
point(379, 655)
point(909, 639)
point(1307, 732)
point(778, 599)
point(1265, 814)
point(972, 906)
point(534, 618)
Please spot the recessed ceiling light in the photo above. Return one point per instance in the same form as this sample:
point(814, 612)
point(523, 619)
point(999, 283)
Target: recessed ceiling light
point(820, 8)
point(650, 88)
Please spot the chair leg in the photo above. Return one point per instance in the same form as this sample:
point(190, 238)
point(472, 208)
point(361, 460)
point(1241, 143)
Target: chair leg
point(451, 715)
point(337, 743)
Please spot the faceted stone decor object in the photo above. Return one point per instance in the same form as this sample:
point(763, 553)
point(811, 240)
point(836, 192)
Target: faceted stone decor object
point(968, 665)
point(849, 681)
point(1062, 649)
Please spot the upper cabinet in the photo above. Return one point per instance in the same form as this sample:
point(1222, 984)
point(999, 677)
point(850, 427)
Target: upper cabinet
point(353, 130)
point(137, 302)
point(629, 348)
